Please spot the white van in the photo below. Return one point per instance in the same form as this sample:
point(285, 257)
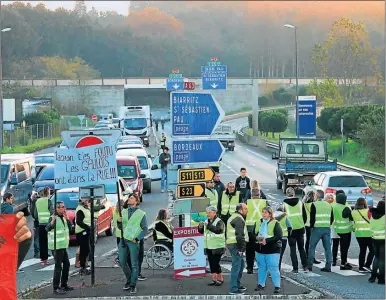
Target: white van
point(149, 165)
point(106, 117)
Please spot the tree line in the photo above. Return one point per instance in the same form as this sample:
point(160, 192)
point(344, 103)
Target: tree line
point(272, 121)
point(157, 37)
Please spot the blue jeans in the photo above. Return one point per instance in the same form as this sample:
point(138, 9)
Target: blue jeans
point(36, 242)
point(237, 269)
point(318, 233)
point(131, 249)
point(268, 263)
point(164, 175)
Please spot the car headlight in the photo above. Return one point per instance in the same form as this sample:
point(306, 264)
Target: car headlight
point(145, 139)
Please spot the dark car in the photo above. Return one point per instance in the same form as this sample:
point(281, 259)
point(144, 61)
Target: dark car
point(45, 178)
point(41, 160)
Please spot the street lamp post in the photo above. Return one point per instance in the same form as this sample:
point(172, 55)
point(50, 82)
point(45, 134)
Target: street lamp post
point(1, 89)
point(297, 76)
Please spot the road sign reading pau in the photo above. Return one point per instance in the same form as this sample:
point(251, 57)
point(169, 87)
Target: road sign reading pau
point(195, 175)
point(196, 114)
point(190, 190)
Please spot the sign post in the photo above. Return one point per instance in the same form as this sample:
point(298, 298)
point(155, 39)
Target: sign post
point(89, 161)
point(81, 118)
point(189, 257)
point(175, 82)
point(214, 75)
point(306, 123)
point(341, 131)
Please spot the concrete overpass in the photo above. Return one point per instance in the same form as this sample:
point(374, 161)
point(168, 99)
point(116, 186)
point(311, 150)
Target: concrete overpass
point(106, 95)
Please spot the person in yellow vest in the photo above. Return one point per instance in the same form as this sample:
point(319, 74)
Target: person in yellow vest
point(62, 238)
point(330, 198)
point(163, 140)
point(82, 232)
point(377, 225)
point(297, 215)
point(286, 227)
point(255, 210)
point(228, 202)
point(117, 231)
point(236, 239)
point(43, 210)
point(343, 227)
point(362, 231)
point(134, 224)
point(214, 243)
point(268, 236)
point(321, 219)
point(163, 230)
point(211, 193)
point(308, 199)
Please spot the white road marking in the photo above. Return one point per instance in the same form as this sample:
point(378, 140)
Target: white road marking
point(52, 267)
point(259, 155)
point(31, 262)
point(270, 196)
point(337, 270)
point(230, 168)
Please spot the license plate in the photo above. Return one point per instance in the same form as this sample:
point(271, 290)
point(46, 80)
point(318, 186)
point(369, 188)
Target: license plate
point(292, 181)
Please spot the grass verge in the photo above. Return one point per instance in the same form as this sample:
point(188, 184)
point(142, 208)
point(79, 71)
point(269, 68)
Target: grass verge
point(354, 153)
point(243, 109)
point(36, 146)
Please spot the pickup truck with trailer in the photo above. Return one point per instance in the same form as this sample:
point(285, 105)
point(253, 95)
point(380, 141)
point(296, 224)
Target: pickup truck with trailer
point(299, 160)
point(227, 137)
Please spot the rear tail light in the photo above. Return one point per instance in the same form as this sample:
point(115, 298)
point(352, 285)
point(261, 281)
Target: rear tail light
point(366, 191)
point(330, 191)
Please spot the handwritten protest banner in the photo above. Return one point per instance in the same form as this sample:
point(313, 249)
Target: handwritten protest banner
point(8, 254)
point(79, 167)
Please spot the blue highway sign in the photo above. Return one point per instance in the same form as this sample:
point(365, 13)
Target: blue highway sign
point(306, 106)
point(196, 114)
point(196, 151)
point(174, 84)
point(214, 77)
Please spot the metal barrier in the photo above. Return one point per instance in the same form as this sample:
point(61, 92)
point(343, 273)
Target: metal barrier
point(365, 173)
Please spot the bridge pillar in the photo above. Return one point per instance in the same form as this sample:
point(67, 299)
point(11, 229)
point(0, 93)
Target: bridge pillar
point(255, 106)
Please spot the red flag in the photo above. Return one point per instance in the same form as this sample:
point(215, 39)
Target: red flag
point(8, 253)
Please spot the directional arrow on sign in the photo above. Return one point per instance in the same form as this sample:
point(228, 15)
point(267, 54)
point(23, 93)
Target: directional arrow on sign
point(175, 86)
point(187, 191)
point(214, 85)
point(194, 114)
point(188, 272)
point(196, 151)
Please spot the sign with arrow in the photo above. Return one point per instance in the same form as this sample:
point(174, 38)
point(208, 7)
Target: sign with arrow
point(175, 82)
point(195, 114)
point(196, 151)
point(195, 175)
point(189, 257)
point(190, 190)
point(214, 76)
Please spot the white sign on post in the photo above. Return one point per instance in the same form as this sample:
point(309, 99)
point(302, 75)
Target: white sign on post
point(88, 166)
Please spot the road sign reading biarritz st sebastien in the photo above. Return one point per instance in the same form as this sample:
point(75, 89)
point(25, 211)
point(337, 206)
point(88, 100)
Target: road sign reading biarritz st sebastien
point(194, 114)
point(214, 75)
point(196, 151)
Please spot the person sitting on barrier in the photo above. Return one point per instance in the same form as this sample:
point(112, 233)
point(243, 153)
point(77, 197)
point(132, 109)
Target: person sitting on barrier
point(163, 230)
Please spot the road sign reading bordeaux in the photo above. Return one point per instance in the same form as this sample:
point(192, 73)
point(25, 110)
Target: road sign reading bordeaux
point(175, 82)
point(214, 76)
point(196, 151)
point(187, 191)
point(195, 175)
point(194, 114)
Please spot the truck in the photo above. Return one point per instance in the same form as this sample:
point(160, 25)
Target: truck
point(226, 135)
point(136, 120)
point(106, 117)
point(299, 160)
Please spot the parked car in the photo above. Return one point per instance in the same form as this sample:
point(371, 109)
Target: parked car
point(41, 160)
point(130, 140)
point(45, 178)
point(111, 191)
point(115, 122)
point(352, 183)
point(70, 198)
point(17, 176)
point(148, 165)
point(129, 169)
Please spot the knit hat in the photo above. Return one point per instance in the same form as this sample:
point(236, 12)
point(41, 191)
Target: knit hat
point(341, 198)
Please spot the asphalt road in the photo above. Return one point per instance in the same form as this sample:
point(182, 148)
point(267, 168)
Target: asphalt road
point(35, 273)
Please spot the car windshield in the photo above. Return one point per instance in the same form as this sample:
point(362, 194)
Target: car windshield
point(111, 188)
point(143, 162)
point(4, 173)
point(137, 123)
point(44, 159)
point(115, 121)
point(46, 174)
point(127, 171)
point(347, 181)
point(70, 199)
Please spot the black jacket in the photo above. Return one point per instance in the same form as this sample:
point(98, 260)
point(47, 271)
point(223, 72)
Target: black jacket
point(220, 188)
point(79, 221)
point(227, 194)
point(218, 229)
point(161, 227)
point(273, 244)
point(238, 225)
point(243, 191)
point(377, 213)
point(292, 202)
